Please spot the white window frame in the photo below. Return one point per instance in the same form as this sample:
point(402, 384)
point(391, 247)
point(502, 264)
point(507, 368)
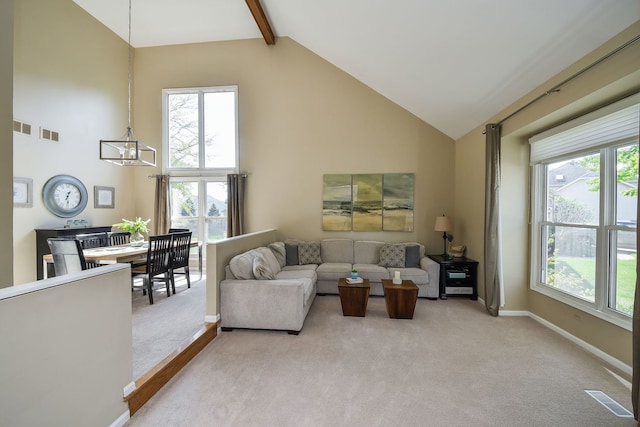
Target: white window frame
point(607, 224)
point(165, 132)
point(202, 175)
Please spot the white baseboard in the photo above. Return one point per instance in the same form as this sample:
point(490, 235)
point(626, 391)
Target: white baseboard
point(514, 313)
point(212, 319)
point(623, 367)
point(121, 420)
point(129, 388)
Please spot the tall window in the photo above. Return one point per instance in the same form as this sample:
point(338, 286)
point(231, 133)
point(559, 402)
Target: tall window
point(200, 149)
point(584, 206)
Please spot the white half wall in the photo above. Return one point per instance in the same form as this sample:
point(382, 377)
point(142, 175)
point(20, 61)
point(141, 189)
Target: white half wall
point(66, 349)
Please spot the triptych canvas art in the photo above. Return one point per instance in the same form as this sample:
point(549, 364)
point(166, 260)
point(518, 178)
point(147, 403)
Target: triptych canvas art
point(368, 202)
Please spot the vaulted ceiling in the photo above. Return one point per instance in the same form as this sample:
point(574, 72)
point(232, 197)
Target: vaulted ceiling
point(454, 64)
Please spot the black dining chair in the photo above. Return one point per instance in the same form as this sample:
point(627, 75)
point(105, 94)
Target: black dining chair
point(157, 267)
point(178, 230)
point(67, 255)
point(181, 250)
point(118, 238)
point(93, 240)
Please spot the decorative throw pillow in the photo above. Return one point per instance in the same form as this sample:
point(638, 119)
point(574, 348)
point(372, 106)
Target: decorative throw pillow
point(242, 265)
point(309, 253)
point(280, 252)
point(291, 254)
point(412, 256)
point(261, 269)
point(392, 255)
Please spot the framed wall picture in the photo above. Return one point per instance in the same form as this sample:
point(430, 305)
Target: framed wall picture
point(368, 202)
point(22, 192)
point(104, 197)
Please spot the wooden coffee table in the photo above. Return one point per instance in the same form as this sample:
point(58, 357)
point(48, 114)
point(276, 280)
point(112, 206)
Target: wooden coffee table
point(354, 297)
point(400, 299)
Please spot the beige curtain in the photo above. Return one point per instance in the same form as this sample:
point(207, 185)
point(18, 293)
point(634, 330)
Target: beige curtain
point(492, 252)
point(635, 380)
point(162, 207)
point(235, 205)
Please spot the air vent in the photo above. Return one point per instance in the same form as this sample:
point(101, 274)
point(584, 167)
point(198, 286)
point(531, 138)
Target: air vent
point(610, 404)
point(21, 127)
point(49, 135)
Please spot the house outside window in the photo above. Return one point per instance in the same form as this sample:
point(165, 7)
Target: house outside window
point(584, 211)
point(200, 135)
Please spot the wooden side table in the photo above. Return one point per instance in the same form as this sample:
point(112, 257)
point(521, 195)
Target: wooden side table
point(400, 299)
point(354, 297)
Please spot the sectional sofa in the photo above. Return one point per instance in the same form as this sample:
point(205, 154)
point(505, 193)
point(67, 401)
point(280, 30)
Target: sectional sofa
point(273, 287)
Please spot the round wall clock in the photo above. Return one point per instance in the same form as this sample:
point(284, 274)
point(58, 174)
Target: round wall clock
point(65, 196)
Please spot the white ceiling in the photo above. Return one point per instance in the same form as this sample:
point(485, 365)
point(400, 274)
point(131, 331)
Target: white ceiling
point(454, 64)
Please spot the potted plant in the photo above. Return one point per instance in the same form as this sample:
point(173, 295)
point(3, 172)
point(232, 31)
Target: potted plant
point(136, 228)
point(354, 274)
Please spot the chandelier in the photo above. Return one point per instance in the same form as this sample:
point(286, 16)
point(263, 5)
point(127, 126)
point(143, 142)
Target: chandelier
point(127, 150)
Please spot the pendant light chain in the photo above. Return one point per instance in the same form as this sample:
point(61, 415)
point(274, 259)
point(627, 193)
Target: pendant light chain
point(128, 151)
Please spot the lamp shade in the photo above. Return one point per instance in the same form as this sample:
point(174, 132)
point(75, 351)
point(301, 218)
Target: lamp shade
point(443, 223)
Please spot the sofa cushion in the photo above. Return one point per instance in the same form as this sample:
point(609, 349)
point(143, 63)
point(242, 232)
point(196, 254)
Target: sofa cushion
point(417, 275)
point(311, 267)
point(280, 252)
point(392, 255)
point(291, 254)
point(366, 252)
point(270, 258)
point(412, 256)
point(373, 272)
point(261, 268)
point(297, 274)
point(242, 265)
point(309, 253)
point(337, 250)
point(334, 270)
point(228, 274)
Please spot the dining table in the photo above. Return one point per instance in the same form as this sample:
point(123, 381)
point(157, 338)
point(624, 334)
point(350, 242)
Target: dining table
point(119, 254)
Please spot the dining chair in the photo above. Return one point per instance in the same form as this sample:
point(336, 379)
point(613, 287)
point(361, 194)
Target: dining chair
point(118, 238)
point(178, 230)
point(93, 240)
point(181, 250)
point(67, 255)
point(157, 267)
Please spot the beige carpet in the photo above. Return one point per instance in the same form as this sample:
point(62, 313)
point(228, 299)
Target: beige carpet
point(452, 365)
point(159, 329)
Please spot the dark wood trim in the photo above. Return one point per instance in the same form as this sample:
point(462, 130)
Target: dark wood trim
point(261, 19)
point(157, 377)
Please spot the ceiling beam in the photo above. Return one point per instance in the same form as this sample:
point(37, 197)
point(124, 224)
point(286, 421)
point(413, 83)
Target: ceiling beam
point(261, 20)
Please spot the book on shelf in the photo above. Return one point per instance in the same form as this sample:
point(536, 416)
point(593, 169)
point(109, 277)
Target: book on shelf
point(354, 281)
point(456, 274)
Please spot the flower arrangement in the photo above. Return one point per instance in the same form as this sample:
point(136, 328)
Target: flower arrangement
point(136, 228)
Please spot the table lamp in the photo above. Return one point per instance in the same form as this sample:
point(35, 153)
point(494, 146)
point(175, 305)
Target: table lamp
point(443, 224)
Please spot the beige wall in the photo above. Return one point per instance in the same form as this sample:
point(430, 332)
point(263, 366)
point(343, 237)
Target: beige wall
point(299, 118)
point(71, 77)
point(608, 81)
point(6, 135)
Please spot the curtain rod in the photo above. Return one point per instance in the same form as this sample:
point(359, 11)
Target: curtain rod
point(243, 174)
point(557, 87)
